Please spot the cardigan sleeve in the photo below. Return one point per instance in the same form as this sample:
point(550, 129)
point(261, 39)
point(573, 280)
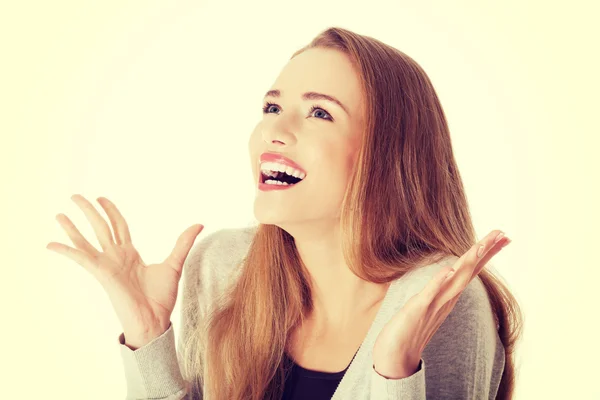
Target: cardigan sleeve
point(409, 388)
point(154, 371)
point(463, 360)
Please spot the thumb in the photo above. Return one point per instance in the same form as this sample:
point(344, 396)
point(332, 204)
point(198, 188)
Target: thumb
point(183, 246)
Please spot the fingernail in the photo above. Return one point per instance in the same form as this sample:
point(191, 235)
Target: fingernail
point(500, 236)
point(480, 251)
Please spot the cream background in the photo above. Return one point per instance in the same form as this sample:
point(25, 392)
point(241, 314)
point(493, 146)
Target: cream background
point(151, 103)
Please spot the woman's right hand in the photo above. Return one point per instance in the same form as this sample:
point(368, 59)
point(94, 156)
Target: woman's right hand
point(143, 296)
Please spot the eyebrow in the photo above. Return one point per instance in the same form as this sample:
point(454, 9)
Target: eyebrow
point(312, 96)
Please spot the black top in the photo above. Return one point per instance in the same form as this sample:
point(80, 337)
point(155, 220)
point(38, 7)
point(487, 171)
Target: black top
point(302, 383)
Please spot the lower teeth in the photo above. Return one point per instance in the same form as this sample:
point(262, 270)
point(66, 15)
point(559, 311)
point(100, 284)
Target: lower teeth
point(274, 182)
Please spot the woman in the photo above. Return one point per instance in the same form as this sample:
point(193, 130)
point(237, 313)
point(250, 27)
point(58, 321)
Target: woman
point(342, 291)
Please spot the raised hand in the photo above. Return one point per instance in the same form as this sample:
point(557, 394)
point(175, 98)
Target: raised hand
point(399, 346)
point(143, 296)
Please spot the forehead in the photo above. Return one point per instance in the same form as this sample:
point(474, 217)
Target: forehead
point(324, 71)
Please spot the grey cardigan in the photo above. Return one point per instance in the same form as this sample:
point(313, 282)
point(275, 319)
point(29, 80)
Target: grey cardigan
point(463, 360)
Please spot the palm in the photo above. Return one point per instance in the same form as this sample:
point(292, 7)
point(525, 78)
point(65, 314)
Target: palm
point(401, 342)
point(144, 292)
point(143, 295)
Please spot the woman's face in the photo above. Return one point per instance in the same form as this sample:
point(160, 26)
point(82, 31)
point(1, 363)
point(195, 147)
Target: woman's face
point(322, 142)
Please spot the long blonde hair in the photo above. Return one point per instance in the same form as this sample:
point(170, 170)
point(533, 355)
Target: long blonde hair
point(405, 202)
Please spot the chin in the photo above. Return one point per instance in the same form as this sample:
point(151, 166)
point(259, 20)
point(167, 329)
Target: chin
point(270, 216)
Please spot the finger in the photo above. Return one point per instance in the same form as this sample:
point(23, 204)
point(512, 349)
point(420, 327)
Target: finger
point(491, 253)
point(119, 225)
point(435, 285)
point(81, 258)
point(101, 228)
point(76, 237)
point(478, 252)
point(183, 246)
point(466, 266)
point(475, 255)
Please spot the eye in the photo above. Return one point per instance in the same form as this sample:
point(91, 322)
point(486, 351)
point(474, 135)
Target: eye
point(267, 107)
point(268, 110)
point(317, 108)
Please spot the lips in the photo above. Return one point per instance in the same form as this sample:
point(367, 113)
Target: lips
point(278, 158)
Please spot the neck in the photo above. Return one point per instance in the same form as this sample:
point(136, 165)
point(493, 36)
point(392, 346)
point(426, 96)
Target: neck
point(338, 295)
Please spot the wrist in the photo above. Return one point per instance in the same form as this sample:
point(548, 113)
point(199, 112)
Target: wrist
point(134, 339)
point(407, 367)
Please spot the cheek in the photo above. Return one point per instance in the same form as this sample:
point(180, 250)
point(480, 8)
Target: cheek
point(254, 148)
point(350, 157)
point(339, 160)
point(352, 164)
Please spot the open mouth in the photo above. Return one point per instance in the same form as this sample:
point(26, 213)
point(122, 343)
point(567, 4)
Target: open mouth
point(278, 178)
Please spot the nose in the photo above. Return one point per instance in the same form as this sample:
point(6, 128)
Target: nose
point(279, 130)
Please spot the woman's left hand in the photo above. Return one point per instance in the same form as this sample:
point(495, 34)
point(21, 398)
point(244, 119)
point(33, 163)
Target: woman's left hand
point(398, 348)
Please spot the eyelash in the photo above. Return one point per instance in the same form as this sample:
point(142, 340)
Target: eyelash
point(312, 109)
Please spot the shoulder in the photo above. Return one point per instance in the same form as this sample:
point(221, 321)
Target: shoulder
point(223, 244)
point(213, 260)
point(218, 253)
point(473, 305)
point(468, 338)
point(465, 355)
point(471, 321)
point(415, 280)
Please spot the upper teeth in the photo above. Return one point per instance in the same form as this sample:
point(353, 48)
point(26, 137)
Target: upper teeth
point(267, 167)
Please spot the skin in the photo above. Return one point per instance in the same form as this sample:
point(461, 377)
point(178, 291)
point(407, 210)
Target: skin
point(400, 345)
point(144, 296)
point(310, 212)
point(326, 150)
